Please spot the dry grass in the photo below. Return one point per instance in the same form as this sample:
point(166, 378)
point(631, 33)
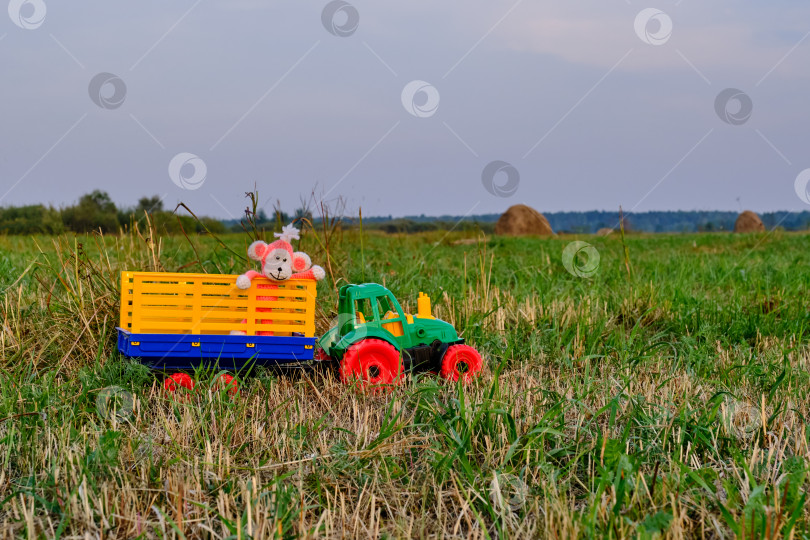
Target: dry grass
point(608, 408)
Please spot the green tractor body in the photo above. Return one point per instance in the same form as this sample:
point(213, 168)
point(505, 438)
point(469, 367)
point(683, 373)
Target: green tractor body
point(371, 311)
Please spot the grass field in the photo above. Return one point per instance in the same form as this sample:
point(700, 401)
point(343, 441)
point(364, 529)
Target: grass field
point(666, 395)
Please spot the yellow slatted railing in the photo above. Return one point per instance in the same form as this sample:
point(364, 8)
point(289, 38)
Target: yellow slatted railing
point(166, 303)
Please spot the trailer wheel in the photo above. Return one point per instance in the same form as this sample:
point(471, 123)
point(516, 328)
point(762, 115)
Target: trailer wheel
point(321, 356)
point(461, 361)
point(176, 381)
point(226, 382)
point(373, 364)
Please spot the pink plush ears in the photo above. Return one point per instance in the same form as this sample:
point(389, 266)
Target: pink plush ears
point(257, 250)
point(301, 261)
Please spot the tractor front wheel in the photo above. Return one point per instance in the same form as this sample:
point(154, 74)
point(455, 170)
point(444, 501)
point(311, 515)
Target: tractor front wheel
point(373, 364)
point(461, 362)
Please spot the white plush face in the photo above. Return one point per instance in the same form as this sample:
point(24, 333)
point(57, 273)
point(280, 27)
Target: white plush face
point(277, 265)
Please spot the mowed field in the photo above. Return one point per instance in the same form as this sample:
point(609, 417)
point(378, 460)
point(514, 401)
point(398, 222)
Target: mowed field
point(666, 395)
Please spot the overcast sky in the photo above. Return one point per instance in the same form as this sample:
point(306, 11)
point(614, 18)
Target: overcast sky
point(586, 104)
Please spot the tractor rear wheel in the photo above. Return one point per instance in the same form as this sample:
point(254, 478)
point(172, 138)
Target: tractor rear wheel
point(461, 362)
point(372, 363)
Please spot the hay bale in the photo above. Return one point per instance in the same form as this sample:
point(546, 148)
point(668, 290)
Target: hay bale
point(604, 232)
point(748, 222)
point(520, 220)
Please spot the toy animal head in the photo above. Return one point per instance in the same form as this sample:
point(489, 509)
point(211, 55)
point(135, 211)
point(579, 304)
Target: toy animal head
point(279, 262)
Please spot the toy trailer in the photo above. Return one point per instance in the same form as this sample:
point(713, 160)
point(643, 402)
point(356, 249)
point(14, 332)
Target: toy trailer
point(172, 321)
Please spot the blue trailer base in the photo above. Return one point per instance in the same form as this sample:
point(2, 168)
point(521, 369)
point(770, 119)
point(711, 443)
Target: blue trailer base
point(186, 351)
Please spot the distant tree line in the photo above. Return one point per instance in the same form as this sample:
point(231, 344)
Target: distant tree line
point(96, 211)
point(672, 221)
point(591, 222)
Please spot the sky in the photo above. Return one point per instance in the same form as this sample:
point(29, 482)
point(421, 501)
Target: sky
point(457, 107)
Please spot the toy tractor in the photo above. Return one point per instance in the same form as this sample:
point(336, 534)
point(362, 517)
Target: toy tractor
point(375, 342)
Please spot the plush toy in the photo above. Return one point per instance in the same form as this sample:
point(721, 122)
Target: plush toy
point(279, 263)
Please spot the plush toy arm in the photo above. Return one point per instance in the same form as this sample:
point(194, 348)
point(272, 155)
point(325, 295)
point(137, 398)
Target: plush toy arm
point(243, 281)
point(316, 273)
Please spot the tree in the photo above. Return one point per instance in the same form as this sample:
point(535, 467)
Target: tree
point(149, 205)
point(34, 219)
point(93, 212)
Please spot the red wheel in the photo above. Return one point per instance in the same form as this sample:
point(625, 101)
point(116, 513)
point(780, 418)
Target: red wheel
point(461, 361)
point(371, 363)
point(178, 380)
point(226, 381)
